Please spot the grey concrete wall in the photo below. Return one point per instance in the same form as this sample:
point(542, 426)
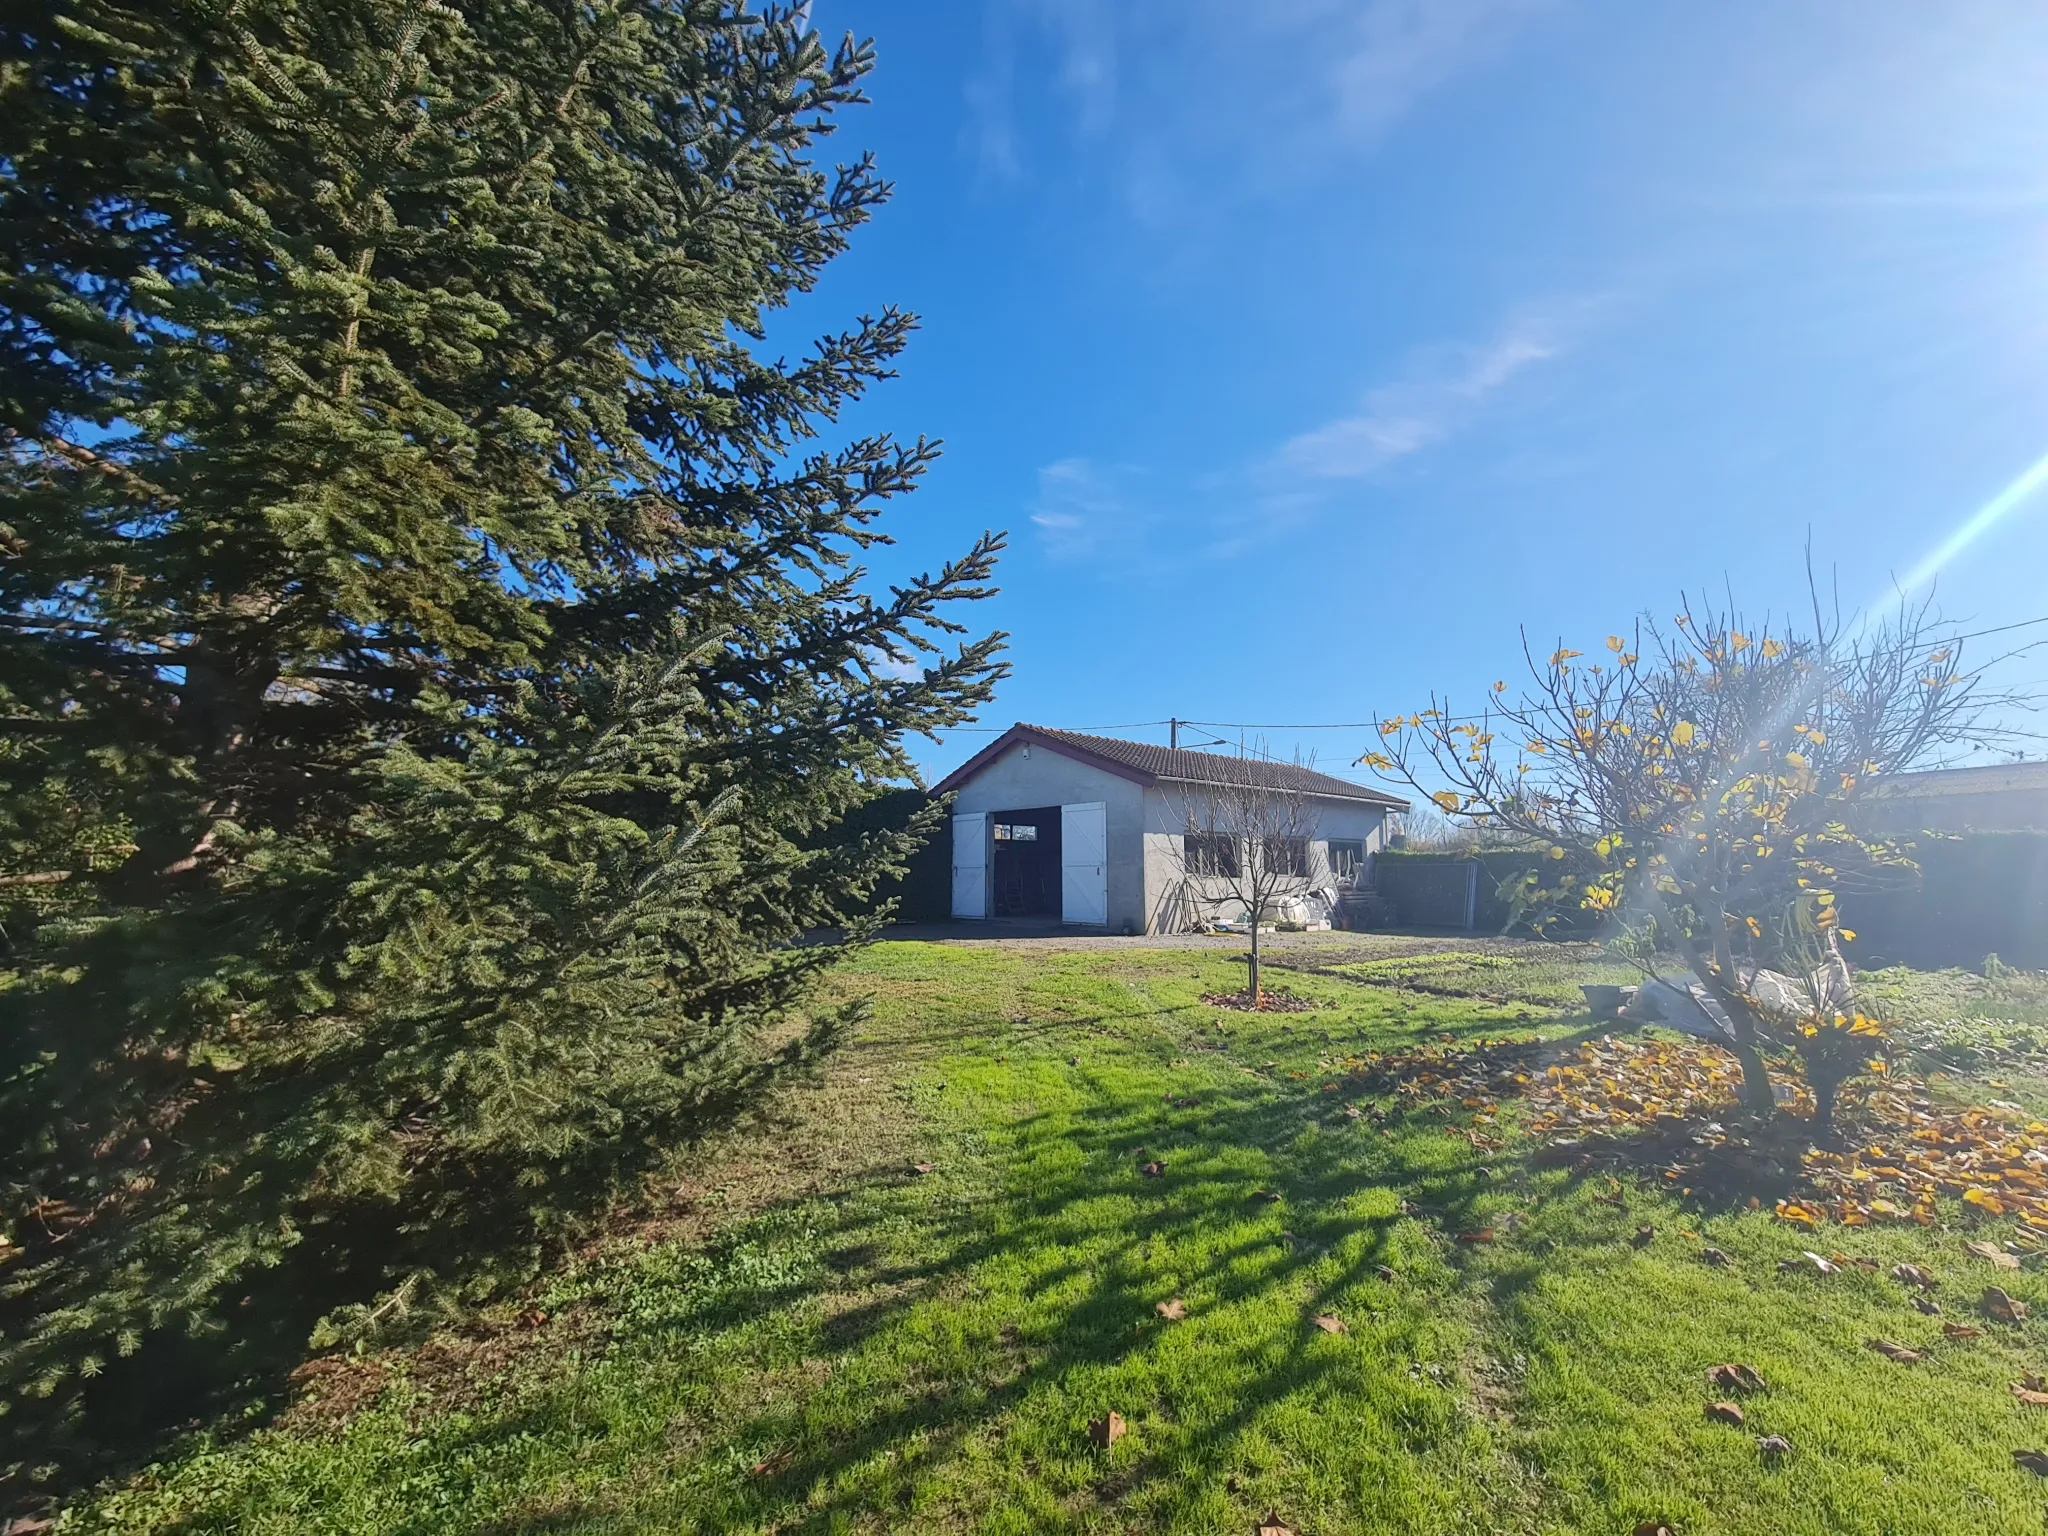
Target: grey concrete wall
point(1028, 776)
point(2010, 810)
point(1167, 809)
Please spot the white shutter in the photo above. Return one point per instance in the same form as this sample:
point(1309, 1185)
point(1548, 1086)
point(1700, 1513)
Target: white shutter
point(970, 865)
point(1084, 864)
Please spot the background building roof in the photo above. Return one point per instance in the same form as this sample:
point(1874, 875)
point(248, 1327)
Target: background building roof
point(1990, 779)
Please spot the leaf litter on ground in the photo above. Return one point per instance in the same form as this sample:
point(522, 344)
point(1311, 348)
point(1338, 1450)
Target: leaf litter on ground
point(1807, 1261)
point(2001, 1307)
point(1900, 1150)
point(1993, 1255)
point(1734, 1378)
point(1106, 1431)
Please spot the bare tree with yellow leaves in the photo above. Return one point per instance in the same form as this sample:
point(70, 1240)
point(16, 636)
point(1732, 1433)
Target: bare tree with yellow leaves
point(1698, 785)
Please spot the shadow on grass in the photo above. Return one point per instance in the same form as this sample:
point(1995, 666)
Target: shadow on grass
point(1078, 1202)
point(908, 1381)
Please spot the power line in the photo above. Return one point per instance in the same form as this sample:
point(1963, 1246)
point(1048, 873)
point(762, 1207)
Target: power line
point(997, 730)
point(1374, 725)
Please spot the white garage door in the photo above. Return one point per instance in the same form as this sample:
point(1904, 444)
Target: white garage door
point(970, 865)
point(1084, 866)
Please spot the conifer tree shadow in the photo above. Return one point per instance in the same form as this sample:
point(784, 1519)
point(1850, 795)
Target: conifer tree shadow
point(812, 1481)
point(864, 1295)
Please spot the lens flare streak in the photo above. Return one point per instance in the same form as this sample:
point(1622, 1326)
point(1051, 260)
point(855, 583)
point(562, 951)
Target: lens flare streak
point(1986, 517)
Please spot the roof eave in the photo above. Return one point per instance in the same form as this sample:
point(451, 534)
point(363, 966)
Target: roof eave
point(1024, 735)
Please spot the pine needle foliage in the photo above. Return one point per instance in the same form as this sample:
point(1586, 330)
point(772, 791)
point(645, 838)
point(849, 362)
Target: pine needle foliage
point(434, 650)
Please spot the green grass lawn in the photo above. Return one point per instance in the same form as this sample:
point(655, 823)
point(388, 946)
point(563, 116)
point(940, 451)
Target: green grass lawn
point(813, 1336)
point(1519, 977)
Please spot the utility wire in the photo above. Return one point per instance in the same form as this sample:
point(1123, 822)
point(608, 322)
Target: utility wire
point(1374, 725)
point(997, 730)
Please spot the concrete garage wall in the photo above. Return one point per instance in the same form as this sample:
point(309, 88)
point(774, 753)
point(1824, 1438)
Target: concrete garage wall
point(1026, 776)
point(1166, 818)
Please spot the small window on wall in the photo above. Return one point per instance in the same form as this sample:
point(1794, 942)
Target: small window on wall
point(1287, 855)
point(1024, 833)
point(1347, 857)
point(1210, 853)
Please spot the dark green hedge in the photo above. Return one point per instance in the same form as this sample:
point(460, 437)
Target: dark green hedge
point(1499, 868)
point(925, 893)
point(1977, 894)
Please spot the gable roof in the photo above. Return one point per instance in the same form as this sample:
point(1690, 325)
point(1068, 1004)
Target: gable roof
point(1144, 763)
point(1985, 779)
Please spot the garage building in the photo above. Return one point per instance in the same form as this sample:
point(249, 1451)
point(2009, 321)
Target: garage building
point(1056, 825)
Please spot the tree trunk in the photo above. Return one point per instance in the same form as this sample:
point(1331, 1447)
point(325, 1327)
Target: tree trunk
point(1258, 994)
point(1756, 1078)
point(1824, 1092)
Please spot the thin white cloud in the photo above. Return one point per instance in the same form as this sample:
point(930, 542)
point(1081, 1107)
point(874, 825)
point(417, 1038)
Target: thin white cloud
point(1136, 76)
point(1439, 397)
point(1085, 49)
point(1088, 59)
point(988, 132)
point(1398, 51)
point(906, 671)
point(1082, 509)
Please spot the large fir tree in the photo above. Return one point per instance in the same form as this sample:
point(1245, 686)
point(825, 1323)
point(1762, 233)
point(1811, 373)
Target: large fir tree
point(432, 654)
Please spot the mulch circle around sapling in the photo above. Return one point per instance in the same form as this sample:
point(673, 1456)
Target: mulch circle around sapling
point(1275, 1001)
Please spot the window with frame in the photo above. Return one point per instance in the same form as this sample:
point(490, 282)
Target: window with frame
point(1347, 857)
point(1287, 855)
point(1020, 832)
point(1209, 853)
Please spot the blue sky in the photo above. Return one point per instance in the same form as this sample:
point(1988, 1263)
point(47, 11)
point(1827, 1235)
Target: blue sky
point(1310, 348)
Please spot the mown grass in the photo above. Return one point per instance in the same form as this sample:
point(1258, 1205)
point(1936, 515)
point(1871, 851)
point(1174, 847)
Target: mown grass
point(830, 1341)
point(1906, 996)
point(1524, 975)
